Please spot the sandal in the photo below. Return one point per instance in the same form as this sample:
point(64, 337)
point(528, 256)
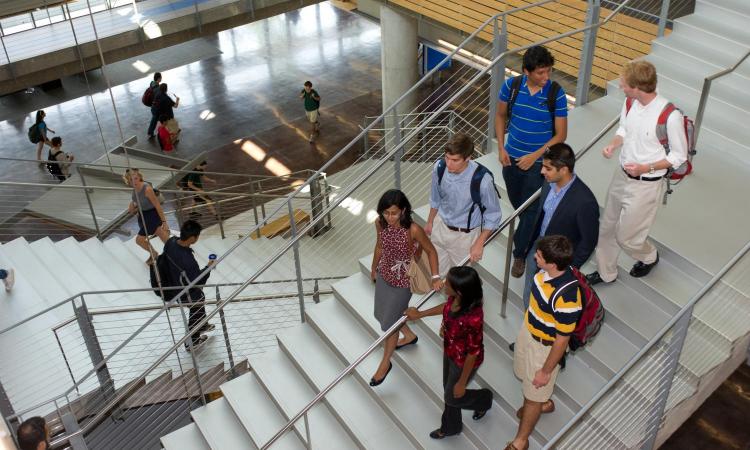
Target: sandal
point(438, 434)
point(510, 446)
point(547, 407)
point(478, 414)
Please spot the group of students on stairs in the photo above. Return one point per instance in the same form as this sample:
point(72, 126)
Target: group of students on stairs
point(557, 234)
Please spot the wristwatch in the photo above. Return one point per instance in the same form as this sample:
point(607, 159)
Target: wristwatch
point(436, 277)
point(651, 169)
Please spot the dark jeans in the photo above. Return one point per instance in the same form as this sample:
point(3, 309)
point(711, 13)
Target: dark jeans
point(473, 399)
point(152, 125)
point(196, 314)
point(521, 184)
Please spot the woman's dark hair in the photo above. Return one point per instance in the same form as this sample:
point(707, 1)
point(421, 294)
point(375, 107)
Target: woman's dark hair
point(467, 284)
point(556, 249)
point(560, 155)
point(537, 56)
point(163, 87)
point(396, 198)
point(56, 141)
point(39, 116)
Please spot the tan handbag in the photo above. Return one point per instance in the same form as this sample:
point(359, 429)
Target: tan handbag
point(420, 275)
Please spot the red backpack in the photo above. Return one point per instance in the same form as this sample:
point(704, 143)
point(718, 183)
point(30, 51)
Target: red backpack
point(592, 311)
point(148, 96)
point(674, 174)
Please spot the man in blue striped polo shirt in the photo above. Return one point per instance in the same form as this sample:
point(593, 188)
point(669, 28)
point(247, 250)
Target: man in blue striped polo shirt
point(536, 115)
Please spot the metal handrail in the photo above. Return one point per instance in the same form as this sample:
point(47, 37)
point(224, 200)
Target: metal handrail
point(151, 289)
point(338, 200)
point(505, 223)
point(706, 89)
point(687, 308)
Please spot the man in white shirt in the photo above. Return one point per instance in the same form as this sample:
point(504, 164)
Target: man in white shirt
point(637, 185)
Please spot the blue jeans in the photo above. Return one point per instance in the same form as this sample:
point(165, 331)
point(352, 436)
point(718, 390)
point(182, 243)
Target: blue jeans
point(152, 125)
point(531, 270)
point(521, 184)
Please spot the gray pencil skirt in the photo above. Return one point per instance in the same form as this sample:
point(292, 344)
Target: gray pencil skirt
point(390, 303)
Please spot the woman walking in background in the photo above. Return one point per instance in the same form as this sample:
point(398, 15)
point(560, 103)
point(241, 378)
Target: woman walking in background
point(41, 129)
point(151, 218)
point(462, 333)
point(398, 239)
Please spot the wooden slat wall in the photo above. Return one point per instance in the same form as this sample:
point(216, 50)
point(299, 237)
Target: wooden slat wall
point(619, 41)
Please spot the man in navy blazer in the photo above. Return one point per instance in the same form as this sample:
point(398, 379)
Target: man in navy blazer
point(569, 209)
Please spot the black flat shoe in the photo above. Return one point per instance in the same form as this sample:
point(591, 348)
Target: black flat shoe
point(594, 278)
point(374, 382)
point(438, 434)
point(641, 269)
point(478, 414)
point(412, 342)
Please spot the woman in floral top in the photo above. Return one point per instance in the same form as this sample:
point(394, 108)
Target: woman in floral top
point(462, 332)
point(398, 240)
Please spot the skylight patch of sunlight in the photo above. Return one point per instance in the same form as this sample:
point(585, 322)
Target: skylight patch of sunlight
point(126, 11)
point(254, 151)
point(141, 66)
point(152, 29)
point(371, 216)
point(352, 205)
point(207, 114)
point(276, 167)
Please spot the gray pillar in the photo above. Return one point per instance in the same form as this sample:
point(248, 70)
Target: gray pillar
point(398, 60)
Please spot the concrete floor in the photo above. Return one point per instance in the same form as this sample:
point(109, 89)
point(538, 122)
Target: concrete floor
point(242, 86)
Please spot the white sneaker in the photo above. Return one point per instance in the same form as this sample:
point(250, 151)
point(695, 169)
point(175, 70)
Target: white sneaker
point(9, 280)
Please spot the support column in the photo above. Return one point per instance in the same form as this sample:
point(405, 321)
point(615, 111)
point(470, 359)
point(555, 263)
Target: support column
point(398, 60)
point(587, 53)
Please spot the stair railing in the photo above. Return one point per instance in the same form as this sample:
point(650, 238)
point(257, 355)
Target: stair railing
point(706, 91)
point(472, 90)
point(651, 372)
point(507, 223)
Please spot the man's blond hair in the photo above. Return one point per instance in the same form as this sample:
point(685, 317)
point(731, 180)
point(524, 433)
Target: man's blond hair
point(640, 75)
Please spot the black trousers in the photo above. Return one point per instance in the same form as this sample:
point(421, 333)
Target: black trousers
point(520, 185)
point(473, 399)
point(195, 315)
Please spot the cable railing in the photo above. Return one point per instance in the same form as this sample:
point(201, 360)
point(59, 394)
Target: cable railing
point(466, 91)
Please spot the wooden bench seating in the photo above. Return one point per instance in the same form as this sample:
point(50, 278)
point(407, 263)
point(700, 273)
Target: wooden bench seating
point(623, 39)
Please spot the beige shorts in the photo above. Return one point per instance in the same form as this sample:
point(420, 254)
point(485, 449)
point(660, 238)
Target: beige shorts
point(528, 357)
point(312, 116)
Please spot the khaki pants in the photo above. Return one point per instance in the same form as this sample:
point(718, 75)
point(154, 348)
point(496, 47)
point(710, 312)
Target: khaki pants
point(452, 246)
point(528, 357)
point(628, 215)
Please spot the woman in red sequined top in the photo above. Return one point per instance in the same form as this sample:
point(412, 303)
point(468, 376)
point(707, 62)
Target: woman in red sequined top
point(398, 240)
point(462, 333)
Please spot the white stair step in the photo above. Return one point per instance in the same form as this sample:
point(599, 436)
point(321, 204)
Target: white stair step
point(291, 393)
point(220, 427)
point(731, 17)
point(45, 282)
point(424, 360)
point(257, 412)
point(350, 401)
point(120, 250)
point(734, 6)
point(185, 438)
point(711, 30)
point(24, 300)
point(102, 258)
point(682, 46)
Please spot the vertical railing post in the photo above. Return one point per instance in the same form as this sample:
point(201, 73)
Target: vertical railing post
point(497, 77)
point(308, 443)
point(225, 331)
point(587, 53)
point(255, 206)
point(508, 259)
point(297, 265)
point(399, 154)
point(702, 106)
point(219, 218)
point(88, 332)
point(91, 205)
point(65, 358)
point(198, 17)
point(316, 207)
point(316, 292)
point(663, 18)
point(679, 332)
point(191, 350)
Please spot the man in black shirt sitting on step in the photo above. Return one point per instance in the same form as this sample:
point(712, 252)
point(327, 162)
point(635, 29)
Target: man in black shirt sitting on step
point(184, 267)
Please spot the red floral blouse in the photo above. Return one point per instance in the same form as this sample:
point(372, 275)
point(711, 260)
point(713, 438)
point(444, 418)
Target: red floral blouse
point(462, 335)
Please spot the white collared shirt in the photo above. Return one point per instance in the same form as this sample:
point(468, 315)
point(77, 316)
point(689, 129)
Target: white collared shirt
point(638, 132)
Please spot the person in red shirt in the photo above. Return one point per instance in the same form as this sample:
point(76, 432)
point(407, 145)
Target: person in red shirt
point(463, 350)
point(165, 139)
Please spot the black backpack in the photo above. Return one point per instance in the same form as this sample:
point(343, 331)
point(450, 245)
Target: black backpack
point(161, 265)
point(476, 182)
point(515, 87)
point(53, 166)
point(34, 135)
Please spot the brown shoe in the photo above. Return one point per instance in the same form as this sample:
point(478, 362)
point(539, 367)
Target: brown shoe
point(510, 446)
point(518, 268)
point(547, 407)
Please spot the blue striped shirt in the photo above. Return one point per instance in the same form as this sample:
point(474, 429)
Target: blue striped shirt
point(530, 124)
